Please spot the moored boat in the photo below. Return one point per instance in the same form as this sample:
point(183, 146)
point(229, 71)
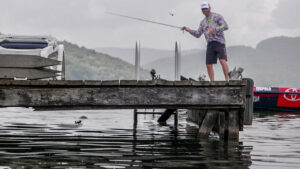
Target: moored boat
point(277, 99)
point(31, 58)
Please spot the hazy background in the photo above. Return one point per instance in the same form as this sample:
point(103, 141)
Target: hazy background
point(263, 36)
point(84, 21)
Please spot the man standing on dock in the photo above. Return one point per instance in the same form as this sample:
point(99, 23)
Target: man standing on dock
point(213, 27)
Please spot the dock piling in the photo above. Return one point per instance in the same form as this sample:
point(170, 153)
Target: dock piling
point(233, 126)
point(177, 61)
point(226, 124)
point(135, 118)
point(176, 120)
point(221, 125)
point(248, 114)
point(137, 59)
point(208, 123)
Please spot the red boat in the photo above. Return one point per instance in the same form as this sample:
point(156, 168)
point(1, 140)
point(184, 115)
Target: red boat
point(277, 99)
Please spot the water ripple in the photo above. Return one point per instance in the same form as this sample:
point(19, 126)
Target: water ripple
point(107, 139)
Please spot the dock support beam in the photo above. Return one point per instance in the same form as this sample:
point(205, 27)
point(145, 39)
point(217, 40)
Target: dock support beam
point(162, 119)
point(225, 123)
point(166, 115)
point(135, 118)
point(248, 114)
point(232, 127)
point(207, 124)
point(221, 125)
point(176, 120)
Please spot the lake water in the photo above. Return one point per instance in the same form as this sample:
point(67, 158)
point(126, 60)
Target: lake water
point(107, 139)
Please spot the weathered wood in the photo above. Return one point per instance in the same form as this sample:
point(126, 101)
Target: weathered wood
point(160, 82)
point(208, 123)
point(128, 82)
point(204, 83)
point(92, 83)
point(57, 83)
point(20, 83)
point(220, 84)
point(116, 94)
point(221, 125)
point(176, 120)
point(26, 61)
point(215, 83)
point(111, 83)
point(241, 119)
point(248, 114)
point(39, 83)
point(166, 115)
point(148, 83)
point(196, 116)
point(118, 97)
point(31, 74)
point(237, 82)
point(5, 82)
point(226, 125)
point(183, 83)
point(135, 118)
point(233, 125)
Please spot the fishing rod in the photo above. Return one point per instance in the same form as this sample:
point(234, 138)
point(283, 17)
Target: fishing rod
point(146, 20)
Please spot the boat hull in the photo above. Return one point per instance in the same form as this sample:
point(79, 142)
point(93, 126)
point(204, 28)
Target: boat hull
point(277, 99)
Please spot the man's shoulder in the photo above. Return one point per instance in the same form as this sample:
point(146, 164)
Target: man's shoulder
point(217, 15)
point(202, 22)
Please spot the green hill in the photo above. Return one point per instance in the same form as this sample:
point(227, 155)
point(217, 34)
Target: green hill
point(87, 64)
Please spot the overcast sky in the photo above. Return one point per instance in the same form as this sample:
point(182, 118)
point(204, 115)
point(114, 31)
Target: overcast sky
point(84, 21)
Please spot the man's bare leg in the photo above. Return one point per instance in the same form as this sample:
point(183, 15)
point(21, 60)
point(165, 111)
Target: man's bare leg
point(210, 71)
point(225, 68)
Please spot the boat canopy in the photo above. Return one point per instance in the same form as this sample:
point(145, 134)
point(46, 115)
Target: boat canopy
point(26, 42)
point(23, 45)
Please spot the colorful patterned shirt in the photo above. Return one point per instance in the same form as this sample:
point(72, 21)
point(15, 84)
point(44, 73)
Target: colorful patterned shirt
point(215, 21)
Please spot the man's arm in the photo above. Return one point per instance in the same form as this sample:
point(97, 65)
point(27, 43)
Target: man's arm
point(196, 33)
point(222, 25)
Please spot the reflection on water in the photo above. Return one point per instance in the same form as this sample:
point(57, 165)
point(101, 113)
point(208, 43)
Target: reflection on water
point(106, 139)
point(275, 138)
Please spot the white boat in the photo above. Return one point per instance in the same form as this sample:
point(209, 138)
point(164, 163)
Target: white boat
point(31, 57)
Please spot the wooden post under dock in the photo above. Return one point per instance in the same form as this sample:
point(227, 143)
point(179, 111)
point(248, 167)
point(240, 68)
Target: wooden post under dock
point(221, 102)
point(226, 122)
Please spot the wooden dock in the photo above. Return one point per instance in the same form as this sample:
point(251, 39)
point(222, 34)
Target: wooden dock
point(222, 101)
point(123, 94)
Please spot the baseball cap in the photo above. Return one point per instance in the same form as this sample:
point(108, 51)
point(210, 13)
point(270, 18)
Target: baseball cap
point(205, 5)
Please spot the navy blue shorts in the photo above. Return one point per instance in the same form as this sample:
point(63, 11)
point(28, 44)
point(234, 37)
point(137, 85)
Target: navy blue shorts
point(214, 51)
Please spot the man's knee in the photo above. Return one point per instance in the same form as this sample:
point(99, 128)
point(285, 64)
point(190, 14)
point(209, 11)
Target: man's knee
point(223, 61)
point(209, 65)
